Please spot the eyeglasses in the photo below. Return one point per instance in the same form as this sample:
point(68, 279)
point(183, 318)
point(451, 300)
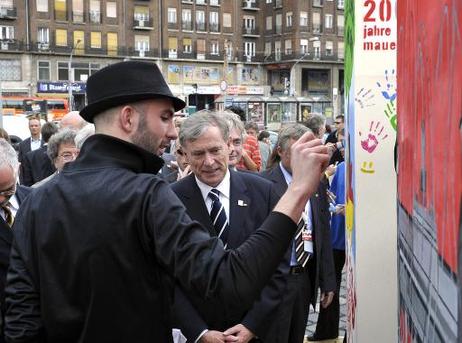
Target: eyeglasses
point(69, 156)
point(8, 192)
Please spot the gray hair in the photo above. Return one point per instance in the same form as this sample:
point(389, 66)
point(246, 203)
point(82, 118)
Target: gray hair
point(82, 135)
point(234, 121)
point(194, 126)
point(8, 156)
point(64, 136)
point(315, 122)
point(288, 132)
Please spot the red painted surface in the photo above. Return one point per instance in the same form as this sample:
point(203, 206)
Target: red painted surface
point(429, 114)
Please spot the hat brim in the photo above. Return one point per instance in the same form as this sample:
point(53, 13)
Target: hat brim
point(91, 110)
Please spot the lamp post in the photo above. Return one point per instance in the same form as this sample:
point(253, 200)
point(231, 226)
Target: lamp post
point(71, 76)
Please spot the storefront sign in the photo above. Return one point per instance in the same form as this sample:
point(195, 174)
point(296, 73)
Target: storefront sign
point(252, 90)
point(61, 87)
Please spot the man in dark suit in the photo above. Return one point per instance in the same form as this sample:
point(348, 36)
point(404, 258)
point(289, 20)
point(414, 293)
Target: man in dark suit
point(34, 141)
point(37, 165)
point(246, 201)
point(333, 138)
point(11, 197)
point(302, 281)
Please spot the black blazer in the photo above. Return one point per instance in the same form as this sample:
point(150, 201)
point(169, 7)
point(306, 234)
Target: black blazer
point(36, 166)
point(6, 238)
point(324, 275)
point(193, 314)
point(24, 148)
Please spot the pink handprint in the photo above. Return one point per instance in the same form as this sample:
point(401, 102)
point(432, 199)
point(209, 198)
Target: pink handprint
point(372, 140)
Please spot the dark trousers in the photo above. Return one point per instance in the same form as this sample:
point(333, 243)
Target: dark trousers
point(328, 320)
point(289, 323)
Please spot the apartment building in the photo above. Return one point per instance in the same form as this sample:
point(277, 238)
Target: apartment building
point(247, 52)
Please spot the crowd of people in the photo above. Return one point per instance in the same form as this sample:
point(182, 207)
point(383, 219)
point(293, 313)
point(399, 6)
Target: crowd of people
point(156, 222)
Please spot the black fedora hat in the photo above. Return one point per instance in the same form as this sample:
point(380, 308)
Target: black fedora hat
point(126, 82)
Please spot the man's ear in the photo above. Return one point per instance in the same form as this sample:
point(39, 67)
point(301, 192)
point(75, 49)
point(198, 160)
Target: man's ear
point(128, 119)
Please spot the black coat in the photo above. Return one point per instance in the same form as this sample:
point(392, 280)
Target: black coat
point(97, 269)
point(24, 148)
point(36, 166)
point(6, 237)
point(324, 275)
point(251, 200)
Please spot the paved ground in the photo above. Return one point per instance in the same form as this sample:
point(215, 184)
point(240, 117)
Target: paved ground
point(313, 317)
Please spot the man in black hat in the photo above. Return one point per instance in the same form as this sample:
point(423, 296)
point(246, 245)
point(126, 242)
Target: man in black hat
point(99, 269)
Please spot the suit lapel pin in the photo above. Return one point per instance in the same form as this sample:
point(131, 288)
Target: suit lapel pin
point(241, 203)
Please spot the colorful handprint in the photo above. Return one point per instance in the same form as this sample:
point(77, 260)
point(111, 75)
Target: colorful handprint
point(390, 112)
point(388, 89)
point(376, 133)
point(364, 98)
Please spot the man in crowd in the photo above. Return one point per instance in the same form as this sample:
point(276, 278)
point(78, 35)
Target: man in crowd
point(36, 165)
point(34, 141)
point(231, 205)
point(99, 268)
point(72, 120)
point(11, 197)
point(333, 138)
point(311, 262)
point(61, 150)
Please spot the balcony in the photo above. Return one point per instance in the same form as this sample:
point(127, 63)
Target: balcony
point(317, 28)
point(186, 26)
point(250, 32)
point(214, 27)
point(8, 13)
point(141, 53)
point(214, 57)
point(43, 46)
point(145, 24)
point(250, 5)
point(11, 45)
point(172, 26)
point(304, 28)
point(200, 56)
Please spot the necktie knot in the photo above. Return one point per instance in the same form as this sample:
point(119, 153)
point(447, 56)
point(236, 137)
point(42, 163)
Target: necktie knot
point(8, 214)
point(214, 194)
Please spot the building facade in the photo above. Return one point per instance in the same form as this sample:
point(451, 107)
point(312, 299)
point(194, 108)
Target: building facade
point(283, 56)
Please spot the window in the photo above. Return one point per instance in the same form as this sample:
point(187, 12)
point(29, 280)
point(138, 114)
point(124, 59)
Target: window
point(60, 10)
point(111, 9)
point(42, 5)
point(269, 23)
point(277, 50)
point(316, 22)
point(268, 48)
point(63, 72)
point(288, 46)
point(329, 48)
point(249, 49)
point(79, 42)
point(186, 22)
point(43, 35)
point(227, 20)
point(142, 13)
point(200, 20)
point(61, 37)
point(112, 45)
point(141, 43)
point(269, 1)
point(43, 70)
point(249, 22)
point(95, 40)
point(200, 49)
point(317, 3)
point(214, 48)
point(341, 4)
point(229, 50)
point(303, 18)
point(303, 46)
point(289, 17)
point(214, 21)
point(171, 15)
point(77, 11)
point(6, 32)
point(95, 12)
point(10, 70)
point(187, 45)
point(328, 19)
point(317, 49)
point(172, 47)
point(340, 24)
point(341, 50)
point(278, 23)
point(200, 2)
point(214, 2)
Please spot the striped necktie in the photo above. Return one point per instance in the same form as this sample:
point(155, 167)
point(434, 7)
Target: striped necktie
point(300, 253)
point(9, 219)
point(218, 216)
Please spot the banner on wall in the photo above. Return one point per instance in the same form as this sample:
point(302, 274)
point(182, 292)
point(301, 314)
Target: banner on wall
point(371, 251)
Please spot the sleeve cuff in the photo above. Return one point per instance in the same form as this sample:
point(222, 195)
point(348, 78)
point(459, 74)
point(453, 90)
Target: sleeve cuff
point(200, 335)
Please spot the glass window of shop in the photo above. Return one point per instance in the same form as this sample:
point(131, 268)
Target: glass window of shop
point(43, 70)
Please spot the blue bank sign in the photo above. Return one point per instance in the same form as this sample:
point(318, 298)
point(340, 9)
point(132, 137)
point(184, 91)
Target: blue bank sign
point(60, 87)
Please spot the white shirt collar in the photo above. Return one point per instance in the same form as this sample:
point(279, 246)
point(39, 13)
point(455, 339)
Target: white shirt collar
point(286, 174)
point(224, 186)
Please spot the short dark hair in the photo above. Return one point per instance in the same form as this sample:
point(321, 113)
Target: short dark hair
point(239, 111)
point(341, 116)
point(263, 134)
point(48, 130)
point(251, 125)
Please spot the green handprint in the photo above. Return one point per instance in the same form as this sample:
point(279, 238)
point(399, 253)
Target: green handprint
point(390, 112)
